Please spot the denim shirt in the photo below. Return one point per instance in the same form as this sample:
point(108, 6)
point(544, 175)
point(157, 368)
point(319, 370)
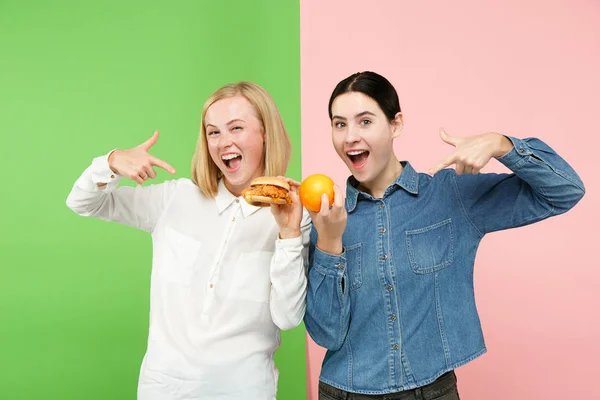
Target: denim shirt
point(396, 309)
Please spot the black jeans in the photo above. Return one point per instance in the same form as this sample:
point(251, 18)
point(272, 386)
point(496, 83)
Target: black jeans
point(443, 388)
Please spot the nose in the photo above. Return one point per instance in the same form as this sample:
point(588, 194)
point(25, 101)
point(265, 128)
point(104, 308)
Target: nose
point(352, 135)
point(225, 140)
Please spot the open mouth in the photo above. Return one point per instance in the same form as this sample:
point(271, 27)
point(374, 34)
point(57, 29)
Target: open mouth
point(358, 158)
point(232, 161)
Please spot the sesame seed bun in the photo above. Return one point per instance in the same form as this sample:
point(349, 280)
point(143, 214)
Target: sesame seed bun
point(270, 180)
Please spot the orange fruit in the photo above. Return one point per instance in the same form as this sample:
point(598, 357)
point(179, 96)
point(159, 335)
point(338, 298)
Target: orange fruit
point(312, 188)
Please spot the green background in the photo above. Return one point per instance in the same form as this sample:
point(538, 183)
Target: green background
point(76, 80)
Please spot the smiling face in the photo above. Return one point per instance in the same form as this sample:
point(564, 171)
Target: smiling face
point(235, 139)
point(362, 136)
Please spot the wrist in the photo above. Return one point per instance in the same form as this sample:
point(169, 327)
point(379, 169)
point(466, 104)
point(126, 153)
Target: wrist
point(110, 161)
point(289, 233)
point(334, 247)
point(504, 145)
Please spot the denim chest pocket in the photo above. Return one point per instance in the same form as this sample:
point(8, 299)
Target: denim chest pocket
point(431, 248)
point(354, 266)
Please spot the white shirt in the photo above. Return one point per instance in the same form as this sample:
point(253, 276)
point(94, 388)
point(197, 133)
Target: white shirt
point(222, 285)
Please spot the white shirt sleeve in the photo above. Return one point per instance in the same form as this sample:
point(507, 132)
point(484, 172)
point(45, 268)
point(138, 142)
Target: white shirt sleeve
point(139, 206)
point(288, 278)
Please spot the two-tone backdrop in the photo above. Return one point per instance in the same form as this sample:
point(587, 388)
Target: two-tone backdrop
point(80, 78)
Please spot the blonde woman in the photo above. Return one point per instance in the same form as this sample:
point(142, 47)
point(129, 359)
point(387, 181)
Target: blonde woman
point(226, 276)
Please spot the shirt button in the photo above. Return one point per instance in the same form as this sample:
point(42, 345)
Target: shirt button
point(384, 257)
point(393, 317)
point(390, 288)
point(382, 230)
point(340, 266)
point(237, 200)
point(381, 205)
point(521, 149)
point(112, 177)
point(211, 285)
point(233, 219)
point(395, 346)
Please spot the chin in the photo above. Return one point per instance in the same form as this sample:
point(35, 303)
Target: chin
point(360, 175)
point(236, 179)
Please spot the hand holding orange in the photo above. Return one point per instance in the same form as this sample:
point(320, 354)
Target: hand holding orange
point(311, 190)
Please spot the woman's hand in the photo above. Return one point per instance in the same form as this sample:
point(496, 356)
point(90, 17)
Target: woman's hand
point(474, 152)
point(289, 217)
point(136, 163)
point(330, 223)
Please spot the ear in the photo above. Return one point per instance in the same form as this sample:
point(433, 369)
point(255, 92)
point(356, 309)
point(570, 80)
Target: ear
point(397, 125)
point(263, 131)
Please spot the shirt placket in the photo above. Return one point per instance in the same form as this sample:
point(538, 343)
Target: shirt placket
point(213, 277)
point(391, 306)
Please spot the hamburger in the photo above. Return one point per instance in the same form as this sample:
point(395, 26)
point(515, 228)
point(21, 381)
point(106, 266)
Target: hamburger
point(267, 190)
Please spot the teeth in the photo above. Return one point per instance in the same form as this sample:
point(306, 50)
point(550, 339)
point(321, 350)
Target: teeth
point(228, 157)
point(356, 152)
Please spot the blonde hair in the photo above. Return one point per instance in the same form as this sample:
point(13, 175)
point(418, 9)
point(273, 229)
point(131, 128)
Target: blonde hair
point(277, 149)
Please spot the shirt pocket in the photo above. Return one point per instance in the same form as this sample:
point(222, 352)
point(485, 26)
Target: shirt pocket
point(252, 276)
point(179, 255)
point(354, 266)
point(431, 248)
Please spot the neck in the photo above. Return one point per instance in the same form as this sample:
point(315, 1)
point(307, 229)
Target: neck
point(377, 186)
point(234, 190)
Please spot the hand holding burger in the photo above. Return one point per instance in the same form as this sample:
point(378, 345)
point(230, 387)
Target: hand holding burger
point(280, 194)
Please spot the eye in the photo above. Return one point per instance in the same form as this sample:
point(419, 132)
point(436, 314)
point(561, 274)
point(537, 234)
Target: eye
point(236, 128)
point(339, 124)
point(365, 122)
point(212, 132)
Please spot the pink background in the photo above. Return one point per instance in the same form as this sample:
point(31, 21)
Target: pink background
point(521, 68)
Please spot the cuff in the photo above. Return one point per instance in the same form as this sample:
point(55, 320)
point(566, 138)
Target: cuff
point(289, 243)
point(101, 172)
point(329, 262)
point(518, 155)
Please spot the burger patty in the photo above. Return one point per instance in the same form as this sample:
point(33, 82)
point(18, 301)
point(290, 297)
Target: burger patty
point(268, 191)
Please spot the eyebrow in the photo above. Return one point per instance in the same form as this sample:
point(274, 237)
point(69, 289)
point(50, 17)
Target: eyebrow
point(361, 114)
point(235, 120)
point(229, 123)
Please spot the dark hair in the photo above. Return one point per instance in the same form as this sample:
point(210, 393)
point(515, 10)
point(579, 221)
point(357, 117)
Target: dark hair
point(373, 85)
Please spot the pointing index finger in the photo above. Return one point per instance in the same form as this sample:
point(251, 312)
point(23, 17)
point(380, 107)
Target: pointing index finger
point(162, 164)
point(440, 166)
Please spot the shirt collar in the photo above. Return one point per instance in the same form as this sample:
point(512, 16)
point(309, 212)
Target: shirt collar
point(407, 180)
point(225, 198)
